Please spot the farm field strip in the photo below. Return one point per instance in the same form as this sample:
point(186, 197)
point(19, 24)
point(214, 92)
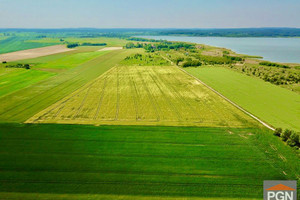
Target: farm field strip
point(105, 160)
point(20, 78)
point(17, 43)
point(33, 53)
point(23, 104)
point(142, 95)
point(255, 96)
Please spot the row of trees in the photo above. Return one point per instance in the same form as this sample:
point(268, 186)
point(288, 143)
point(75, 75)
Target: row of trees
point(192, 63)
point(162, 46)
point(213, 60)
point(25, 66)
point(271, 64)
point(273, 75)
point(291, 137)
point(93, 44)
point(73, 45)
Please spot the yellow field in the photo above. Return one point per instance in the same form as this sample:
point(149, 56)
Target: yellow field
point(144, 95)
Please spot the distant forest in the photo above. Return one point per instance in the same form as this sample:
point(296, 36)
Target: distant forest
point(126, 32)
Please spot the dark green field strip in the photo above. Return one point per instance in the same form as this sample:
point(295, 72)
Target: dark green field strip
point(222, 167)
point(138, 188)
point(22, 104)
point(12, 44)
point(182, 135)
point(136, 160)
point(124, 148)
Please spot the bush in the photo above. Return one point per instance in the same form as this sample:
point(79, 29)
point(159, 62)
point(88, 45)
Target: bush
point(4, 62)
point(291, 138)
point(286, 134)
point(291, 143)
point(25, 66)
point(93, 44)
point(178, 60)
point(193, 63)
point(295, 137)
point(273, 64)
point(278, 132)
point(72, 45)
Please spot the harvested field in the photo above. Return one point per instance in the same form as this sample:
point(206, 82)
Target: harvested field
point(144, 95)
point(33, 53)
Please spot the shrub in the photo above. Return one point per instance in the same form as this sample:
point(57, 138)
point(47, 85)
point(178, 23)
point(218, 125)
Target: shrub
point(278, 132)
point(178, 60)
point(93, 44)
point(73, 45)
point(286, 134)
point(295, 137)
point(193, 63)
point(4, 62)
point(273, 64)
point(25, 66)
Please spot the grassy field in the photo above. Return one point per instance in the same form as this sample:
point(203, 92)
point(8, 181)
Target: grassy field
point(143, 161)
point(191, 143)
point(24, 103)
point(108, 41)
point(275, 105)
point(65, 61)
point(12, 44)
point(12, 80)
point(144, 95)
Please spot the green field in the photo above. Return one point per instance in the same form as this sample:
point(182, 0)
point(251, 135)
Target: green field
point(130, 124)
point(24, 103)
point(108, 41)
point(144, 95)
point(14, 43)
point(141, 160)
point(64, 60)
point(277, 106)
point(12, 80)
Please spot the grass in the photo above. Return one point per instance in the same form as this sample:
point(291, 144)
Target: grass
point(140, 161)
point(67, 61)
point(30, 196)
point(142, 95)
point(12, 80)
point(108, 41)
point(12, 44)
point(273, 104)
point(24, 103)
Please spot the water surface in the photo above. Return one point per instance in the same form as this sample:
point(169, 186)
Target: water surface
point(286, 50)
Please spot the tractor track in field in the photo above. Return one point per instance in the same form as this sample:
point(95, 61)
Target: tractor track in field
point(155, 79)
point(101, 98)
point(134, 95)
point(152, 100)
point(179, 96)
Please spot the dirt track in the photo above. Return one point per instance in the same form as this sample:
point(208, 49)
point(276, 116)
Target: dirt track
point(33, 53)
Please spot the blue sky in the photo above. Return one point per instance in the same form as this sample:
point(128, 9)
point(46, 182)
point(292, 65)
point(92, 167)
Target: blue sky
point(149, 13)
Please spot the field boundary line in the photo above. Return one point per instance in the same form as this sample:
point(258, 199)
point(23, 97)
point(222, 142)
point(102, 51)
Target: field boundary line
point(218, 93)
point(234, 104)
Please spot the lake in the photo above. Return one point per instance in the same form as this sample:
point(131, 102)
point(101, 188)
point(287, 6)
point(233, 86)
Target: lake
point(286, 50)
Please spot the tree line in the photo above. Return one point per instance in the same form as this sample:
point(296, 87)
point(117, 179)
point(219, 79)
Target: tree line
point(292, 138)
point(25, 66)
